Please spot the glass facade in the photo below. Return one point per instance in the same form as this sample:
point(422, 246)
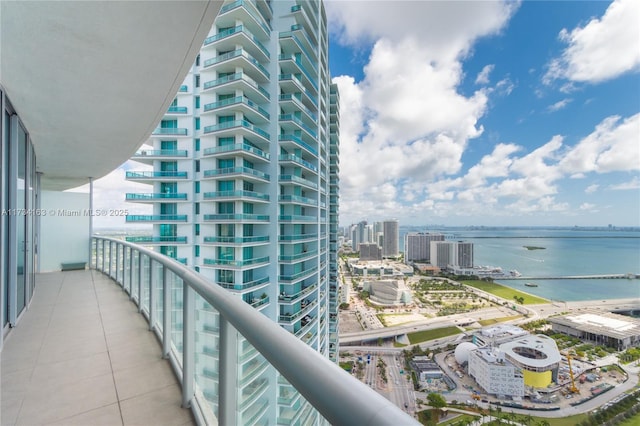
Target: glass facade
point(263, 208)
point(18, 224)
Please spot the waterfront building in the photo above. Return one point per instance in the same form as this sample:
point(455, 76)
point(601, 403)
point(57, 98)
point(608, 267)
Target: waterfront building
point(390, 238)
point(451, 254)
point(244, 184)
point(600, 328)
point(417, 246)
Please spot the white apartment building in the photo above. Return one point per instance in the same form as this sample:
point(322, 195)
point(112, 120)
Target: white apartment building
point(451, 254)
point(494, 373)
point(417, 246)
point(244, 186)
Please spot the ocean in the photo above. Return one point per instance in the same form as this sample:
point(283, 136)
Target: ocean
point(564, 252)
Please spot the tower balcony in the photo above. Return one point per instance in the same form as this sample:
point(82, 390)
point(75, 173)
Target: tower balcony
point(236, 195)
point(242, 127)
point(239, 35)
point(150, 239)
point(147, 156)
point(239, 81)
point(150, 176)
point(170, 131)
point(155, 197)
point(251, 110)
point(243, 149)
point(236, 218)
point(251, 175)
point(156, 218)
point(239, 58)
point(237, 241)
point(246, 12)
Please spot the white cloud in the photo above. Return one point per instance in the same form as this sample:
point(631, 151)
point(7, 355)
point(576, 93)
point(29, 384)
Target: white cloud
point(587, 206)
point(625, 186)
point(483, 76)
point(592, 188)
point(406, 123)
point(601, 50)
point(559, 105)
point(613, 146)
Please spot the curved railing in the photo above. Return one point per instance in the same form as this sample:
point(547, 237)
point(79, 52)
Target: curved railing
point(179, 304)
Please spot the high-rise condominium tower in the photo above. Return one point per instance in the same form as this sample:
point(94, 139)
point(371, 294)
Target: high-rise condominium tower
point(417, 246)
point(244, 186)
point(390, 229)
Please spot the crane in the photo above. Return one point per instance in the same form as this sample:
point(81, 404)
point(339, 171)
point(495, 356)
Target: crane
point(573, 388)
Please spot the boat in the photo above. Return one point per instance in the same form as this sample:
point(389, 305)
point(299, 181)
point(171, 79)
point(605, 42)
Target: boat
point(531, 284)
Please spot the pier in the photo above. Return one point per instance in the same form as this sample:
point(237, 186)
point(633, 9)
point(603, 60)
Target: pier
point(575, 277)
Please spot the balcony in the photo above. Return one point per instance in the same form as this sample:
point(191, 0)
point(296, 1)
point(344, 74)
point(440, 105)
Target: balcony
point(228, 129)
point(244, 172)
point(232, 195)
point(174, 131)
point(161, 154)
point(148, 239)
point(88, 357)
point(250, 109)
point(239, 58)
point(84, 355)
point(176, 110)
point(291, 158)
point(150, 176)
point(239, 81)
point(238, 36)
point(238, 148)
point(157, 196)
point(135, 218)
point(231, 217)
point(232, 263)
point(255, 240)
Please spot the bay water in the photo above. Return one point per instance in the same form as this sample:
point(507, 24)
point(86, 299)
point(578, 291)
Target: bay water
point(560, 252)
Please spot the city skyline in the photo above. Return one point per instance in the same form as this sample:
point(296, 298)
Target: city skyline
point(482, 113)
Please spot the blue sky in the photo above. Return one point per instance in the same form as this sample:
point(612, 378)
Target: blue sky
point(480, 113)
point(488, 113)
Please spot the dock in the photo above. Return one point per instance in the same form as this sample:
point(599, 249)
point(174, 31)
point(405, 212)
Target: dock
point(575, 277)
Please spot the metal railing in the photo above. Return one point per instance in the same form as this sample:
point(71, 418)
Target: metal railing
point(168, 294)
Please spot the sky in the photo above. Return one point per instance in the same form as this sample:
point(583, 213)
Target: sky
point(480, 113)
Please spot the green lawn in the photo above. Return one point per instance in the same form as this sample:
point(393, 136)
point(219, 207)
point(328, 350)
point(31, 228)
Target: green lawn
point(505, 292)
point(457, 419)
point(497, 320)
point(426, 335)
point(633, 421)
point(563, 421)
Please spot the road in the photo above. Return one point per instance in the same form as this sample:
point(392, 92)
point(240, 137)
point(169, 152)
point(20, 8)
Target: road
point(426, 324)
point(401, 391)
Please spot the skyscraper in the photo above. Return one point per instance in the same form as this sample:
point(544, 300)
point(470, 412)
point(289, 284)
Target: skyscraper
point(390, 238)
point(245, 184)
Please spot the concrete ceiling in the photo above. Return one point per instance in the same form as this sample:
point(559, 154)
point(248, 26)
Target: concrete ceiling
point(92, 79)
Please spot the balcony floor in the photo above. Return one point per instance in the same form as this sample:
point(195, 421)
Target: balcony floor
point(83, 355)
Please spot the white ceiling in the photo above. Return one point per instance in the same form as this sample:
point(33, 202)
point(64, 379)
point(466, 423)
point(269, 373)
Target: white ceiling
point(92, 79)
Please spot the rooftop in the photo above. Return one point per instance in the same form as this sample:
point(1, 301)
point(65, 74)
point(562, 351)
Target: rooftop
point(600, 322)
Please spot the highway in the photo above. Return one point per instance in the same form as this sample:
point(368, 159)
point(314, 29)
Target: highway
point(426, 324)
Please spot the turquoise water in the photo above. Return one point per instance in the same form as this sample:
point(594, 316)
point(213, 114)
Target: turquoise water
point(566, 252)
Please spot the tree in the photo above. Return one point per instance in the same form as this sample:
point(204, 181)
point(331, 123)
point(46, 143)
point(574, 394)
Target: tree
point(438, 402)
